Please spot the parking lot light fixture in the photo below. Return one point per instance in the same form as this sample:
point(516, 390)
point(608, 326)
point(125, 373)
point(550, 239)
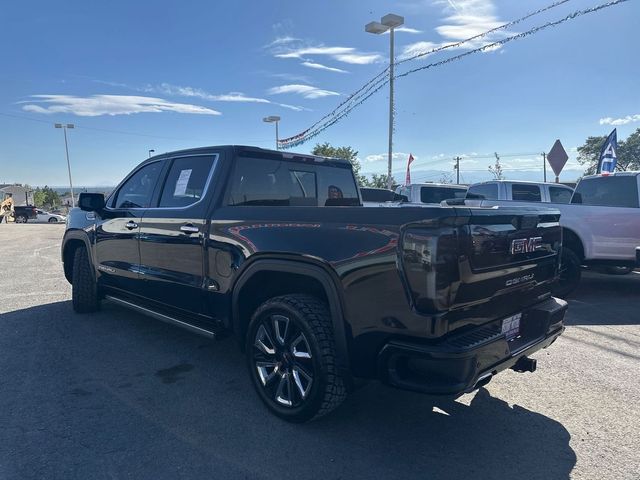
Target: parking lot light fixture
point(389, 22)
point(64, 127)
point(273, 119)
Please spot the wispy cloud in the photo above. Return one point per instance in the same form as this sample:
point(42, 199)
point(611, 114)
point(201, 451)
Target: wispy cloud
point(464, 19)
point(97, 105)
point(405, 30)
point(168, 89)
point(307, 91)
point(620, 121)
point(301, 50)
point(281, 41)
point(319, 66)
point(400, 156)
point(239, 97)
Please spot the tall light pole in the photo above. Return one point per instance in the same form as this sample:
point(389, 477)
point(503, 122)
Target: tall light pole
point(388, 22)
point(66, 148)
point(273, 119)
point(151, 151)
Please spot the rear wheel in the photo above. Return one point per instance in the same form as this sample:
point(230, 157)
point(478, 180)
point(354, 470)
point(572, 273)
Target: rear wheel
point(291, 358)
point(570, 273)
point(53, 220)
point(84, 290)
point(21, 219)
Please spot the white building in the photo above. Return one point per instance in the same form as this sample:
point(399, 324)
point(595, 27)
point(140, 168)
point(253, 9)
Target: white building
point(21, 195)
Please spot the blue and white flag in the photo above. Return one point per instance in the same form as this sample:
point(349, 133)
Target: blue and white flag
point(608, 157)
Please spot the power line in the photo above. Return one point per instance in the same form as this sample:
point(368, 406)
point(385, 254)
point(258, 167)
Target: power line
point(380, 77)
point(483, 34)
point(377, 83)
point(518, 36)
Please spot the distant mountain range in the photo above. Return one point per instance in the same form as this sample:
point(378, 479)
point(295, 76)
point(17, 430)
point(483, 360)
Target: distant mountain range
point(79, 189)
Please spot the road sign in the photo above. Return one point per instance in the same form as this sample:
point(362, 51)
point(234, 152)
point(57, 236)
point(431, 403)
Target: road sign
point(557, 158)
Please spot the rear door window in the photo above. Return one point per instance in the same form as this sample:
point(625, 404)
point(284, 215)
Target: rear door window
point(560, 195)
point(526, 193)
point(613, 191)
point(259, 181)
point(438, 194)
point(485, 191)
point(186, 181)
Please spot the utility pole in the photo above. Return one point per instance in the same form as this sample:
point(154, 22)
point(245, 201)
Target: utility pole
point(544, 166)
point(66, 148)
point(457, 167)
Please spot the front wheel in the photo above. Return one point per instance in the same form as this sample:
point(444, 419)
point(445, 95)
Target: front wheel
point(291, 357)
point(53, 220)
point(570, 274)
point(84, 288)
point(21, 219)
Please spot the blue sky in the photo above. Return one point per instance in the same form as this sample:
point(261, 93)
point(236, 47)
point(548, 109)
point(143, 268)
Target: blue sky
point(162, 75)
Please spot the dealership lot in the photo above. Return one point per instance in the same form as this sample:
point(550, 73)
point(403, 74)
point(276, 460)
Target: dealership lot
point(119, 395)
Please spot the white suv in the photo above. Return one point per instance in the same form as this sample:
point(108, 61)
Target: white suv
point(520, 191)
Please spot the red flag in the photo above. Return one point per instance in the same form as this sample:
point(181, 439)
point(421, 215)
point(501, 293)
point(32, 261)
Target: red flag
point(407, 181)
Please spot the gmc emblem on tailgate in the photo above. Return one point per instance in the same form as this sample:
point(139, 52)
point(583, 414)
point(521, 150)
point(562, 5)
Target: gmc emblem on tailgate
point(525, 245)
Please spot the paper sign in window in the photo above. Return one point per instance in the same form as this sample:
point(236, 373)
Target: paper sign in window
point(181, 184)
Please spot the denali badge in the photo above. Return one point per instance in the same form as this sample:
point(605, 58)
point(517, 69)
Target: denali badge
point(518, 280)
point(525, 245)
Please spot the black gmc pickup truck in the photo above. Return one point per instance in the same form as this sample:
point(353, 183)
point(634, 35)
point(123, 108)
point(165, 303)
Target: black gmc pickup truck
point(276, 248)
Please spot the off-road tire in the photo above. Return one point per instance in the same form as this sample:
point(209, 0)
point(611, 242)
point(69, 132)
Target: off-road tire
point(312, 318)
point(84, 291)
point(570, 274)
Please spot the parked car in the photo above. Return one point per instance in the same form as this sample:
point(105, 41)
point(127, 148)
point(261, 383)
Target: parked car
point(431, 193)
point(22, 214)
point(601, 226)
point(318, 290)
point(46, 217)
point(520, 191)
point(380, 197)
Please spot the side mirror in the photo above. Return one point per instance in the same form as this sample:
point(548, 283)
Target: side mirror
point(91, 202)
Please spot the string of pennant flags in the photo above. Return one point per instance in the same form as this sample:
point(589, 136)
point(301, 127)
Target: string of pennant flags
point(381, 80)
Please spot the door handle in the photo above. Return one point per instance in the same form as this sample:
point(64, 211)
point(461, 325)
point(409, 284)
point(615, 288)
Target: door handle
point(130, 225)
point(189, 229)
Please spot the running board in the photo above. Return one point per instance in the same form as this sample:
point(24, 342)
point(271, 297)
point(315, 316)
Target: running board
point(162, 317)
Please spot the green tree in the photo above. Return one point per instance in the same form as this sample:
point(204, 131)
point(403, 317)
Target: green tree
point(38, 197)
point(496, 169)
point(46, 197)
point(628, 153)
point(348, 153)
point(446, 177)
point(378, 181)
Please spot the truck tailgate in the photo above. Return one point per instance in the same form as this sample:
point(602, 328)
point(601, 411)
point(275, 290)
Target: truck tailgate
point(502, 259)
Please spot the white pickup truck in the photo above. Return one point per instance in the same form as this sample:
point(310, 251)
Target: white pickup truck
point(431, 193)
point(601, 225)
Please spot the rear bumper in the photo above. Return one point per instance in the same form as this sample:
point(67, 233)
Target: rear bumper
point(461, 362)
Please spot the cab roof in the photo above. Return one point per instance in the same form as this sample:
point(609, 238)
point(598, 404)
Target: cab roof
point(247, 150)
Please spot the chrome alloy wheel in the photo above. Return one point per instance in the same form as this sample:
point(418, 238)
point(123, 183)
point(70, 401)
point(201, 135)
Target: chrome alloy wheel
point(283, 362)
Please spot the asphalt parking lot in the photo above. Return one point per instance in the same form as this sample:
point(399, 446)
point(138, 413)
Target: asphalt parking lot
point(118, 395)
